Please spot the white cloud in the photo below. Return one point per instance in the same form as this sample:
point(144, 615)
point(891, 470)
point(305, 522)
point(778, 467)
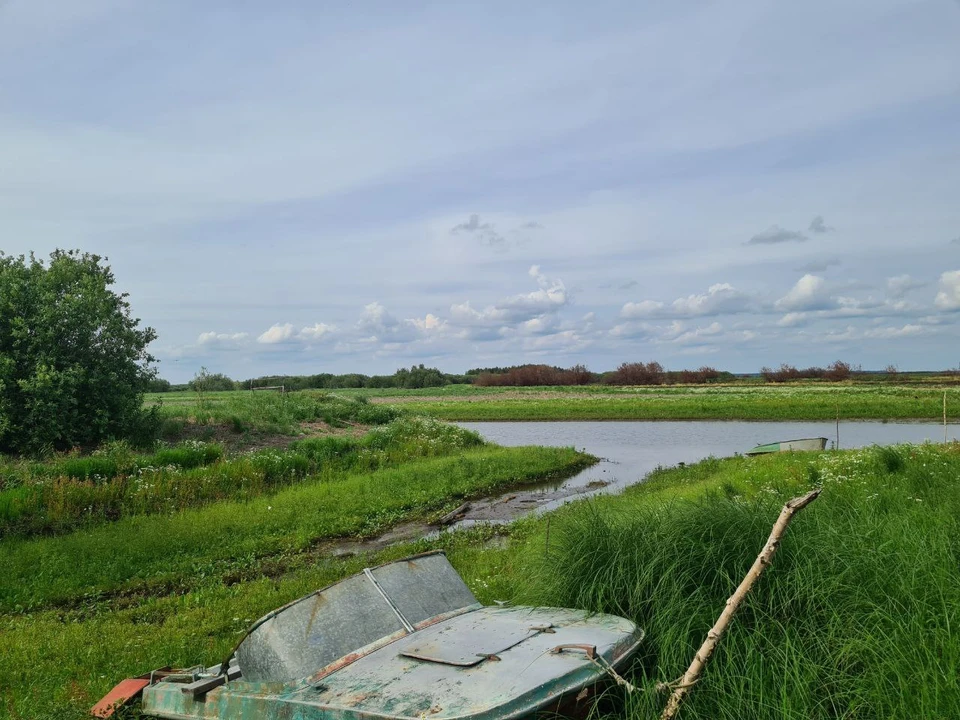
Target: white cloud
point(698, 335)
point(375, 319)
point(277, 334)
point(215, 338)
point(908, 330)
point(550, 298)
point(809, 293)
point(949, 296)
point(720, 299)
point(318, 331)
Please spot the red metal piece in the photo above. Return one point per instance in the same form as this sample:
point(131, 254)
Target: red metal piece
point(589, 650)
point(122, 694)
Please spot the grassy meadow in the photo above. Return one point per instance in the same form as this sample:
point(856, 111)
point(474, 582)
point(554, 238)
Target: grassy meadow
point(816, 401)
point(858, 617)
point(120, 561)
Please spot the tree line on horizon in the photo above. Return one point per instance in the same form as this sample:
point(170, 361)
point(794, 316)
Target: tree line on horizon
point(528, 375)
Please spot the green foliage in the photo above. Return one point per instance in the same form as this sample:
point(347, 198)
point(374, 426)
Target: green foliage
point(418, 376)
point(66, 493)
point(204, 382)
point(862, 601)
point(276, 412)
point(73, 362)
point(187, 548)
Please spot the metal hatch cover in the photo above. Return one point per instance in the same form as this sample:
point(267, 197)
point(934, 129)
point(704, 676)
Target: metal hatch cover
point(474, 638)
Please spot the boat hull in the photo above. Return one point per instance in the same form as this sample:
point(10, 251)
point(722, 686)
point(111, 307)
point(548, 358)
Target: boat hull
point(435, 673)
point(803, 445)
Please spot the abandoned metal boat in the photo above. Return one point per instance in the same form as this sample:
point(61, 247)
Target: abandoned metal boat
point(403, 640)
point(818, 443)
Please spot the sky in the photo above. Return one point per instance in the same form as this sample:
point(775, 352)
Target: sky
point(301, 187)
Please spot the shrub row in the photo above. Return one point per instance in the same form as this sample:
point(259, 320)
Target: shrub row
point(52, 503)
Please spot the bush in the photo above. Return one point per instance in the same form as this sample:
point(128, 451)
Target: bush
point(73, 362)
point(650, 373)
point(204, 381)
point(532, 375)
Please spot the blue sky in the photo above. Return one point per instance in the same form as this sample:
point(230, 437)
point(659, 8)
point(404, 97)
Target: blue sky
point(300, 187)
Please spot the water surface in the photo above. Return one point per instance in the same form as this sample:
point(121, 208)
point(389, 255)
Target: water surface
point(630, 450)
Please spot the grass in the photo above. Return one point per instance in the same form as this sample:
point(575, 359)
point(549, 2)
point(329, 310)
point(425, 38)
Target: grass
point(65, 494)
point(858, 617)
point(800, 401)
point(140, 554)
point(266, 411)
point(746, 400)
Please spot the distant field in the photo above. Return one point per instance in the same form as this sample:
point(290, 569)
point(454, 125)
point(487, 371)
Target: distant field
point(740, 401)
point(819, 401)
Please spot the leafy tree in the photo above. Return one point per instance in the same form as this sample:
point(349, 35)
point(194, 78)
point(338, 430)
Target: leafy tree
point(73, 362)
point(205, 381)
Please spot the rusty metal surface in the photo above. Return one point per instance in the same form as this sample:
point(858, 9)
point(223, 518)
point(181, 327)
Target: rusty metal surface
point(342, 653)
point(122, 694)
point(469, 640)
point(387, 684)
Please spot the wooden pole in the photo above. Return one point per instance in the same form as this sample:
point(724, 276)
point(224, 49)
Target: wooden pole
point(944, 417)
point(692, 674)
point(837, 447)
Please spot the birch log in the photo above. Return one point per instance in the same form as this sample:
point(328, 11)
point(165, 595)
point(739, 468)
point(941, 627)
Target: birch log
point(716, 632)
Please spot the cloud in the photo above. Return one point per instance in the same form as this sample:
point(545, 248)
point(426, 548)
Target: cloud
point(628, 285)
point(215, 338)
point(776, 234)
point(531, 225)
point(484, 232)
point(818, 226)
point(375, 319)
point(908, 330)
point(956, 241)
point(720, 299)
point(699, 335)
point(277, 334)
point(319, 331)
point(809, 293)
point(900, 285)
point(549, 298)
point(815, 266)
point(949, 296)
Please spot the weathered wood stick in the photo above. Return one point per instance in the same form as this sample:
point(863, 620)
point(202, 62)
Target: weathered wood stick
point(453, 515)
point(692, 674)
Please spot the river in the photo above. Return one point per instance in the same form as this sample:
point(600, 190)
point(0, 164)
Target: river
point(630, 450)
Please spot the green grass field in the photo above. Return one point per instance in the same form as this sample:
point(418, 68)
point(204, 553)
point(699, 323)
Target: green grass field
point(740, 401)
point(858, 617)
point(813, 401)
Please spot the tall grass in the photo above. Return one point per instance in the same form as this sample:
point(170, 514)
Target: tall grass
point(65, 494)
point(138, 553)
point(859, 616)
point(110, 461)
point(274, 412)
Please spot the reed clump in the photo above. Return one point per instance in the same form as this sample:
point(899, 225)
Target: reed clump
point(859, 617)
